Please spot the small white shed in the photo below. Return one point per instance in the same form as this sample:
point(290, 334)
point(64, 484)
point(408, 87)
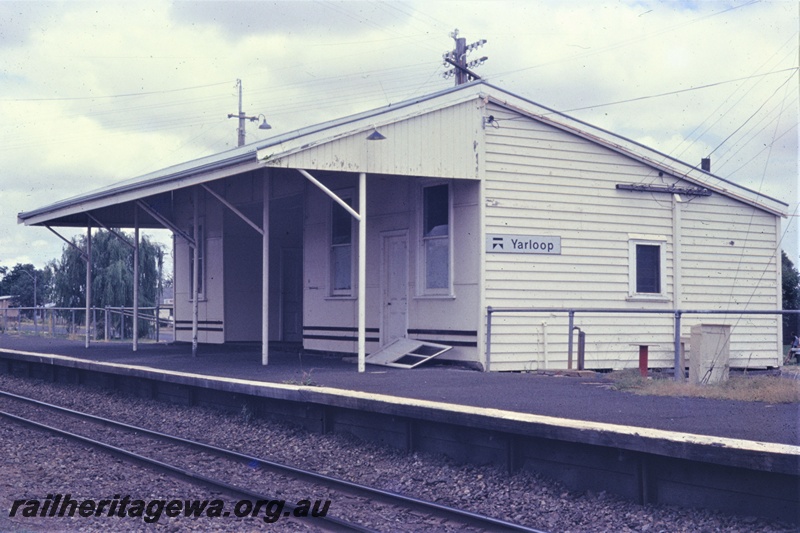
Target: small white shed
point(471, 198)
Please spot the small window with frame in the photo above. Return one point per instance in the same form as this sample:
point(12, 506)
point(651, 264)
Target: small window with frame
point(647, 277)
point(201, 249)
point(436, 252)
point(341, 248)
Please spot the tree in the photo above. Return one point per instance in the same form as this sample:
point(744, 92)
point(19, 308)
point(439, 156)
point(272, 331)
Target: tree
point(20, 282)
point(112, 274)
point(791, 298)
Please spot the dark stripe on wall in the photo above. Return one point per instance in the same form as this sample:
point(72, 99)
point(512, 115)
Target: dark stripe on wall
point(177, 328)
point(469, 344)
point(218, 322)
point(335, 338)
point(454, 332)
point(337, 328)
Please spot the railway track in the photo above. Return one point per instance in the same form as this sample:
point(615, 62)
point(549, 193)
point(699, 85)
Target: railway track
point(254, 479)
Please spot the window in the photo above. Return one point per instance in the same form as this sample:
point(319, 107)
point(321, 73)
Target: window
point(201, 262)
point(341, 250)
point(648, 268)
point(436, 239)
point(647, 276)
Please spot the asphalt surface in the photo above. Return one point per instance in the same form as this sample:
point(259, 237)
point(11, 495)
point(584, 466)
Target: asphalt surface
point(583, 397)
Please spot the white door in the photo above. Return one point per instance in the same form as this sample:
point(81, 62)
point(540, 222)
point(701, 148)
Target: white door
point(395, 287)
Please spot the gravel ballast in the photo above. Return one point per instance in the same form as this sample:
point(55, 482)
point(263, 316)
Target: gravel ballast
point(34, 464)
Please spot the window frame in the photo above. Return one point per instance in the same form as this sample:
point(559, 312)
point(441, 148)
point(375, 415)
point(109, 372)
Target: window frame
point(201, 274)
point(633, 292)
point(422, 289)
point(348, 196)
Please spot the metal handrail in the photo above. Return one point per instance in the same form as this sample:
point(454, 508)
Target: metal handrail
point(122, 311)
point(676, 313)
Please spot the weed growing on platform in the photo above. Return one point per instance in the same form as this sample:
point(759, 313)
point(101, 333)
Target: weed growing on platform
point(748, 388)
point(306, 380)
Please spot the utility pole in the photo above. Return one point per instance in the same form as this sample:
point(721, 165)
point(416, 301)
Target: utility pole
point(457, 58)
point(242, 117)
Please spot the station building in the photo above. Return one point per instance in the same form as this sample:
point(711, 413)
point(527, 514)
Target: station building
point(468, 198)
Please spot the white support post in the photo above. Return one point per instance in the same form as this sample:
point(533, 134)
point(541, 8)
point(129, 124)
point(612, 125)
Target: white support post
point(195, 268)
point(361, 217)
point(88, 277)
point(135, 278)
point(676, 251)
point(265, 272)
point(362, 271)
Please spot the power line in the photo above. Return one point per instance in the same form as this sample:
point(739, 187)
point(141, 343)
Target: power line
point(626, 42)
point(753, 114)
point(111, 95)
point(679, 90)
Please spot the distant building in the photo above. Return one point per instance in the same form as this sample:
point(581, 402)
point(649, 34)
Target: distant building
point(475, 197)
point(5, 308)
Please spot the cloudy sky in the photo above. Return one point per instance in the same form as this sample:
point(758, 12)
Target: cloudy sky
point(95, 92)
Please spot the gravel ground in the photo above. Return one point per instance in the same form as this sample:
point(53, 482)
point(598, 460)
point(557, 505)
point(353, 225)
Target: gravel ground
point(34, 465)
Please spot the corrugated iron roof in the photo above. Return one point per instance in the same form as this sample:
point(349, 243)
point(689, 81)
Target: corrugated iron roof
point(175, 177)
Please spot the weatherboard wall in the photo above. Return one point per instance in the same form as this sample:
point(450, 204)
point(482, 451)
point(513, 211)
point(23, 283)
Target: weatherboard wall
point(211, 316)
point(393, 203)
point(730, 262)
point(439, 143)
point(541, 181)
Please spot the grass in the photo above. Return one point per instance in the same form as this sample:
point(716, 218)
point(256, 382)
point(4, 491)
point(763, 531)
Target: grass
point(306, 380)
point(748, 388)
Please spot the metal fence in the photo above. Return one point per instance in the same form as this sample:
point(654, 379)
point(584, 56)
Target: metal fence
point(106, 323)
point(677, 315)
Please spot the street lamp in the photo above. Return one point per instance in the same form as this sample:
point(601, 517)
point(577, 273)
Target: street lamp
point(242, 117)
point(263, 125)
point(33, 276)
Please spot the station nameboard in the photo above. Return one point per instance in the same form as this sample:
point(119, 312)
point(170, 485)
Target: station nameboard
point(523, 244)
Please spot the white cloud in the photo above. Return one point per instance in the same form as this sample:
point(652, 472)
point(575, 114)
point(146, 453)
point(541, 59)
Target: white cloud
point(305, 62)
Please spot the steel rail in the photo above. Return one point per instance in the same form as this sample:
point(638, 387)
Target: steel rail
point(328, 523)
point(475, 519)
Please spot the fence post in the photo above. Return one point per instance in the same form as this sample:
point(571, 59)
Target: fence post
point(19, 322)
point(488, 337)
point(678, 366)
point(569, 344)
point(52, 323)
point(105, 323)
point(122, 323)
point(158, 322)
point(72, 322)
point(5, 320)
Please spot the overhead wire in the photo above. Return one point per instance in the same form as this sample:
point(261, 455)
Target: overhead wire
point(729, 102)
point(768, 120)
point(677, 91)
point(774, 256)
point(626, 42)
point(98, 97)
point(752, 114)
point(766, 147)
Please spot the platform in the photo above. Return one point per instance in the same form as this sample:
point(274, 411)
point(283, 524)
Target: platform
point(578, 396)
point(740, 457)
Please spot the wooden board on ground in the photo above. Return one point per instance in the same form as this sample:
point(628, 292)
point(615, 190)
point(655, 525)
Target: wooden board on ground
point(406, 353)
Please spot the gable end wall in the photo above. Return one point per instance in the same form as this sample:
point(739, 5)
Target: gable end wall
point(541, 181)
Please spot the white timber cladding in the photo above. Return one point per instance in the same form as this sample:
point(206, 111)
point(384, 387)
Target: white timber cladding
point(330, 319)
point(438, 144)
point(542, 181)
point(210, 305)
